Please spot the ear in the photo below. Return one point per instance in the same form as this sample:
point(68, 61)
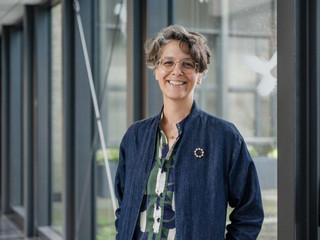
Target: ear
point(199, 79)
point(156, 73)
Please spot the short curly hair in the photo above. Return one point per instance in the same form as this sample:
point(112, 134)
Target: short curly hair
point(196, 43)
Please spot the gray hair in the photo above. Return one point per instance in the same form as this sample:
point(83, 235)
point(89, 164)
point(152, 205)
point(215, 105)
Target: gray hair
point(196, 43)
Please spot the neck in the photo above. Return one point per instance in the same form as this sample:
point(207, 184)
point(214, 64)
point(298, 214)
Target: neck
point(176, 111)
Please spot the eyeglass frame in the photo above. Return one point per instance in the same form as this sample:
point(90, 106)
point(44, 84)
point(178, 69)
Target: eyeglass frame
point(175, 63)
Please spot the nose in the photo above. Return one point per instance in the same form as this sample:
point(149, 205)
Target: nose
point(177, 68)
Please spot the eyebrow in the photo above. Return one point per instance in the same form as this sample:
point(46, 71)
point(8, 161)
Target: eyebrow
point(167, 58)
point(172, 58)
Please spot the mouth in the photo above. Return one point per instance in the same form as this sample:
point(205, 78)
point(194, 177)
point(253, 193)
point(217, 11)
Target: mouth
point(176, 83)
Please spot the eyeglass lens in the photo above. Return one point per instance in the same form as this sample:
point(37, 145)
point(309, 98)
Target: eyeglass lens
point(187, 65)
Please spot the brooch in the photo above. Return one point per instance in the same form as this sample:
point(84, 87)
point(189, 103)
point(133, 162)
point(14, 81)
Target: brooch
point(198, 152)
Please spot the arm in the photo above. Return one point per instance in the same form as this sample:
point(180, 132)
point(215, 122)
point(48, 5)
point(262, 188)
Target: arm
point(244, 196)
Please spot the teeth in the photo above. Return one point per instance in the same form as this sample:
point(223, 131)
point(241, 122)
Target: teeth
point(176, 83)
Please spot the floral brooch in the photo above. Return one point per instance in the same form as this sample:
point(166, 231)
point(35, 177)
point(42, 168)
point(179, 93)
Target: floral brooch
point(198, 152)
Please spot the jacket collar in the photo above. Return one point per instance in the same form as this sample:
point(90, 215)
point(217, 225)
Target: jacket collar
point(194, 110)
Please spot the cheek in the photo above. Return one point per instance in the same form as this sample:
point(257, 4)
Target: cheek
point(160, 75)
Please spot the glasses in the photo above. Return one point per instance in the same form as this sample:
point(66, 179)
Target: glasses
point(187, 65)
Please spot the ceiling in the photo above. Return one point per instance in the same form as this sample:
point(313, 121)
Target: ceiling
point(11, 11)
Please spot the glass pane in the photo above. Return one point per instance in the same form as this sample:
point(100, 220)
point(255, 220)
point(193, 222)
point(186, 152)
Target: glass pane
point(15, 119)
point(241, 84)
point(112, 81)
point(56, 120)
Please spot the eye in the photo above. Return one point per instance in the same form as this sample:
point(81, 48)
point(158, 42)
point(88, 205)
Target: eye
point(167, 63)
point(188, 64)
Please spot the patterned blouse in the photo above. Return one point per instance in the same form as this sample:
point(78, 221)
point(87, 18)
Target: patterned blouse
point(157, 213)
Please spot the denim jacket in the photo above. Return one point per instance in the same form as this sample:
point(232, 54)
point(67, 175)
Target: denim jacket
point(204, 185)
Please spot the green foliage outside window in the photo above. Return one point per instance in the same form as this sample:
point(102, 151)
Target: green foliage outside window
point(112, 154)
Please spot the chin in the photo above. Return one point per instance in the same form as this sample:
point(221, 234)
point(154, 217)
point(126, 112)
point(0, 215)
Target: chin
point(177, 98)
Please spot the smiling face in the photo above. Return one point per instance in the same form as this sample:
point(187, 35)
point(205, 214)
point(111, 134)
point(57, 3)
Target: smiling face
point(177, 85)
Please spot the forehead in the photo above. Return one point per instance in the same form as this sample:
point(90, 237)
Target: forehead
point(175, 49)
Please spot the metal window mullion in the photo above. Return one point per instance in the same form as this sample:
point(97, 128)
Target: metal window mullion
point(15, 115)
point(28, 122)
point(139, 103)
point(4, 120)
point(156, 19)
point(298, 119)
point(224, 56)
point(83, 121)
point(42, 116)
point(171, 12)
point(286, 119)
point(307, 213)
point(68, 79)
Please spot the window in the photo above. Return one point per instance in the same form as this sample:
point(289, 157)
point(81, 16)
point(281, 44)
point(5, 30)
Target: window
point(112, 84)
point(241, 83)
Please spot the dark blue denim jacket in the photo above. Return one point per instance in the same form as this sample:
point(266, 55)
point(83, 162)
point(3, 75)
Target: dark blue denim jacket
point(203, 186)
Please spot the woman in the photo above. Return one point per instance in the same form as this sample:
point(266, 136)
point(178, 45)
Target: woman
point(180, 169)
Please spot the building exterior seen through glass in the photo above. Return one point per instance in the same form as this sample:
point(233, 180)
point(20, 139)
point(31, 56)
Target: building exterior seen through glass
point(241, 83)
point(112, 77)
point(56, 140)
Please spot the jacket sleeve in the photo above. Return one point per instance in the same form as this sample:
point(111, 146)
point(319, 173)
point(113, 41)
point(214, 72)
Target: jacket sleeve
point(244, 197)
point(120, 182)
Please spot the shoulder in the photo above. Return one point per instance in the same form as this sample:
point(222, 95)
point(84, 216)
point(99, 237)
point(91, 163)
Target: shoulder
point(219, 124)
point(144, 123)
point(142, 126)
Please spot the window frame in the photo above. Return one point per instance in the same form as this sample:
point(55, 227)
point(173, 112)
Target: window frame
point(28, 118)
point(5, 41)
point(298, 119)
point(15, 120)
point(42, 114)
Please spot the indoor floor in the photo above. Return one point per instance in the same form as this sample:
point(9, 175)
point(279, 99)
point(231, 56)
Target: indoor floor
point(10, 231)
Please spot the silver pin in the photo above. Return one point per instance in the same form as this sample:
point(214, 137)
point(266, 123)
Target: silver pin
point(198, 152)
